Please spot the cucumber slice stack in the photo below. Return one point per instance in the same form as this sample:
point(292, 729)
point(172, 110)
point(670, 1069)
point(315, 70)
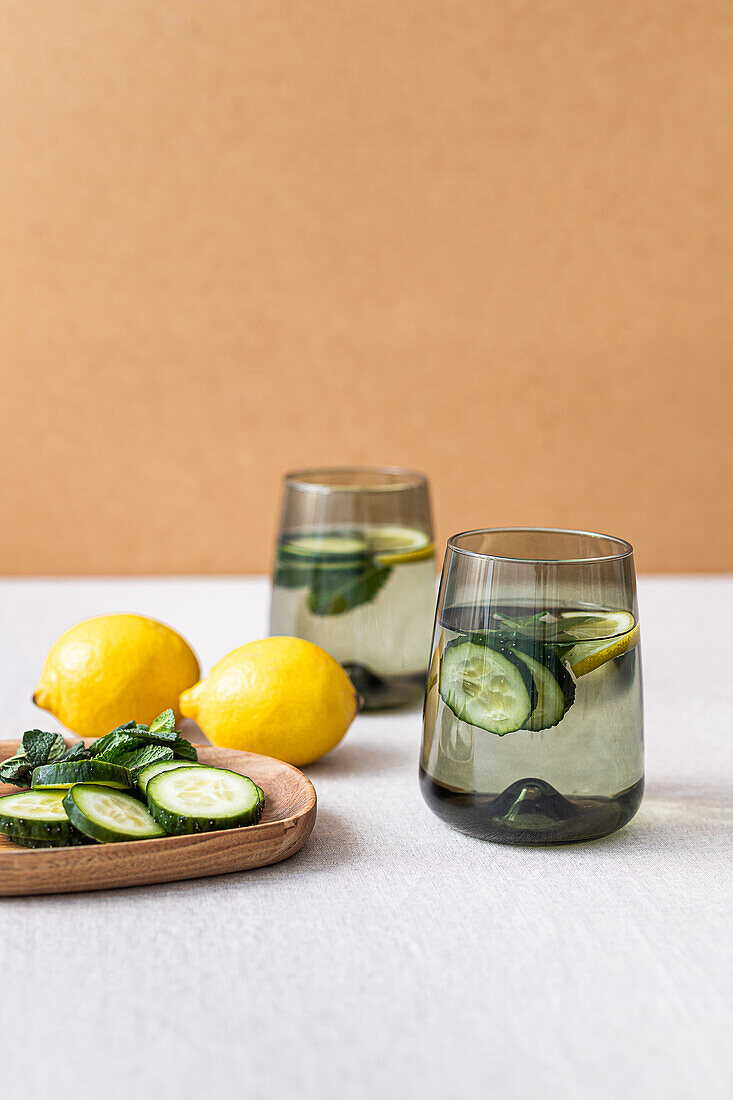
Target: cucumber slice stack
point(37, 819)
point(502, 686)
point(522, 676)
point(87, 797)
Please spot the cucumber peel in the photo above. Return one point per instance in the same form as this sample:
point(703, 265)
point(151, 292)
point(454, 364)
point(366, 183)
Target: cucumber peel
point(68, 774)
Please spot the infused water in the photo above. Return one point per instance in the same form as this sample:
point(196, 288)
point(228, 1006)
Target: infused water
point(533, 722)
point(366, 594)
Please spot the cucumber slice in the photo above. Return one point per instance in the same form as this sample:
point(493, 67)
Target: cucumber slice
point(197, 800)
point(487, 688)
point(334, 548)
point(555, 689)
point(81, 771)
point(109, 815)
point(50, 841)
point(34, 814)
point(162, 766)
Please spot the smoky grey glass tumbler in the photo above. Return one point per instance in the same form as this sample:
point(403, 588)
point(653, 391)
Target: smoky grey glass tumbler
point(533, 720)
point(355, 573)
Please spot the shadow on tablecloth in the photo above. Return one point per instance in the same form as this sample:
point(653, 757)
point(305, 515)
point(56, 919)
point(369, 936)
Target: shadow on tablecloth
point(678, 817)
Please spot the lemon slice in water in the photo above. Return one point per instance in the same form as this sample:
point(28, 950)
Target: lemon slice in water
point(393, 545)
point(592, 625)
point(601, 637)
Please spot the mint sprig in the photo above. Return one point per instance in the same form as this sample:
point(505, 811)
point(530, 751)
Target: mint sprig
point(332, 593)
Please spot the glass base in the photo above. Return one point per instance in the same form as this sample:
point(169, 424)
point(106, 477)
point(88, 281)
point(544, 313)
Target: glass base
point(382, 692)
point(531, 811)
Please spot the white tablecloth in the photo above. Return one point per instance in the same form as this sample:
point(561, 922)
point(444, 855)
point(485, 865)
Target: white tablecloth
point(392, 957)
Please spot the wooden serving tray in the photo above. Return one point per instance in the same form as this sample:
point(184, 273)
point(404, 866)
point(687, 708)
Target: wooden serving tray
point(287, 821)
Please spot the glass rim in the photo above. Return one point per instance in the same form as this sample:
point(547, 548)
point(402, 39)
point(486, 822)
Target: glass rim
point(404, 479)
point(626, 550)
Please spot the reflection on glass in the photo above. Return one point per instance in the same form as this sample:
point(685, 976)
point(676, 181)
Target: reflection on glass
point(355, 573)
point(533, 729)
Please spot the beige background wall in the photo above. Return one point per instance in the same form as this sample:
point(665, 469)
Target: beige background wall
point(488, 238)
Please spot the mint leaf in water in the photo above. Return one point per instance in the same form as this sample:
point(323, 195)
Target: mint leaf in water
point(290, 574)
point(332, 593)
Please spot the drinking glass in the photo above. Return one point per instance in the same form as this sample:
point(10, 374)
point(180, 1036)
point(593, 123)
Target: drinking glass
point(533, 722)
point(355, 573)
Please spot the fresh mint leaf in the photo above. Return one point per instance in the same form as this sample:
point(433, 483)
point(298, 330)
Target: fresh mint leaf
point(37, 747)
point(184, 750)
point(164, 723)
point(98, 746)
point(79, 751)
point(122, 729)
point(116, 746)
point(139, 758)
point(43, 748)
point(159, 737)
point(17, 770)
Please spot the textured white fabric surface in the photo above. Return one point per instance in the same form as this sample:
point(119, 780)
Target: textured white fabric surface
point(392, 957)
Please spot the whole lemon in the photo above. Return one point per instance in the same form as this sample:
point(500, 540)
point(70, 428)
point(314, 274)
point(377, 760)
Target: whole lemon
point(112, 669)
point(281, 697)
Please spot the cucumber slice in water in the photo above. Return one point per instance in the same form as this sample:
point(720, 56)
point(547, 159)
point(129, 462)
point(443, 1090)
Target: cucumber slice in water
point(487, 688)
point(109, 815)
point(162, 766)
point(81, 771)
point(34, 814)
point(197, 800)
point(555, 689)
point(333, 548)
